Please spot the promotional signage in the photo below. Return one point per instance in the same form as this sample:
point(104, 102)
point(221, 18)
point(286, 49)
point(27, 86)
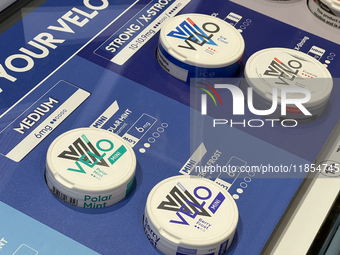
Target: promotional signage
point(40, 118)
point(70, 66)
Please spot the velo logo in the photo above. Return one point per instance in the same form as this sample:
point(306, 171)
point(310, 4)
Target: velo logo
point(185, 204)
point(84, 153)
point(193, 35)
point(284, 72)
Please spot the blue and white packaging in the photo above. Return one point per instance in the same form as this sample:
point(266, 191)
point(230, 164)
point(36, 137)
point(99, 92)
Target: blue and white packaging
point(90, 168)
point(197, 45)
point(190, 215)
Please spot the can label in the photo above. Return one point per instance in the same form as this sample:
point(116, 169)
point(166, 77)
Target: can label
point(192, 208)
point(196, 45)
point(203, 37)
point(195, 36)
point(187, 207)
point(88, 160)
point(96, 201)
point(183, 207)
point(64, 197)
point(87, 156)
point(184, 71)
point(280, 69)
point(152, 235)
point(284, 72)
point(171, 67)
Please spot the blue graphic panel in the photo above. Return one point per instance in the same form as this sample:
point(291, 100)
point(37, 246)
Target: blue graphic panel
point(53, 54)
point(22, 235)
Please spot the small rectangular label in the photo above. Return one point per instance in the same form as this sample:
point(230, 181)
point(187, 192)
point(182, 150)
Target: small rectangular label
point(171, 68)
point(216, 203)
point(139, 129)
point(225, 185)
point(223, 247)
point(185, 251)
point(39, 119)
point(316, 52)
point(188, 166)
point(193, 160)
point(233, 18)
point(105, 116)
point(117, 154)
point(236, 164)
point(130, 139)
point(130, 38)
point(233, 167)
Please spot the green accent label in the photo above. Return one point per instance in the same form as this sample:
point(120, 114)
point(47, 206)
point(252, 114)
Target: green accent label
point(129, 186)
point(117, 154)
point(85, 139)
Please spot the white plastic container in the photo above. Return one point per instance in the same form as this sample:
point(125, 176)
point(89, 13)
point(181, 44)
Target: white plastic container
point(190, 215)
point(326, 10)
point(201, 46)
point(286, 68)
point(90, 168)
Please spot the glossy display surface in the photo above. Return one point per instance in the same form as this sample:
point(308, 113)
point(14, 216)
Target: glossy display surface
point(73, 64)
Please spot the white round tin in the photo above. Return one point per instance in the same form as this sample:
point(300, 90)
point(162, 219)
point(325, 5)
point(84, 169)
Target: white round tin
point(326, 10)
point(197, 45)
point(294, 76)
point(190, 215)
point(90, 168)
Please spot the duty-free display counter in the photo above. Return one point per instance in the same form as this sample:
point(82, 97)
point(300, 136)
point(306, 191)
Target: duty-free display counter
point(61, 75)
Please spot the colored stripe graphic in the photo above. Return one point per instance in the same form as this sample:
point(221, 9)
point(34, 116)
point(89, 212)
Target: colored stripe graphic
point(213, 90)
point(277, 60)
point(191, 22)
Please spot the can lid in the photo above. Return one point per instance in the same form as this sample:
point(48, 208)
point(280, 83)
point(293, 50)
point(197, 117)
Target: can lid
point(192, 212)
point(334, 4)
point(90, 161)
point(281, 68)
point(202, 40)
